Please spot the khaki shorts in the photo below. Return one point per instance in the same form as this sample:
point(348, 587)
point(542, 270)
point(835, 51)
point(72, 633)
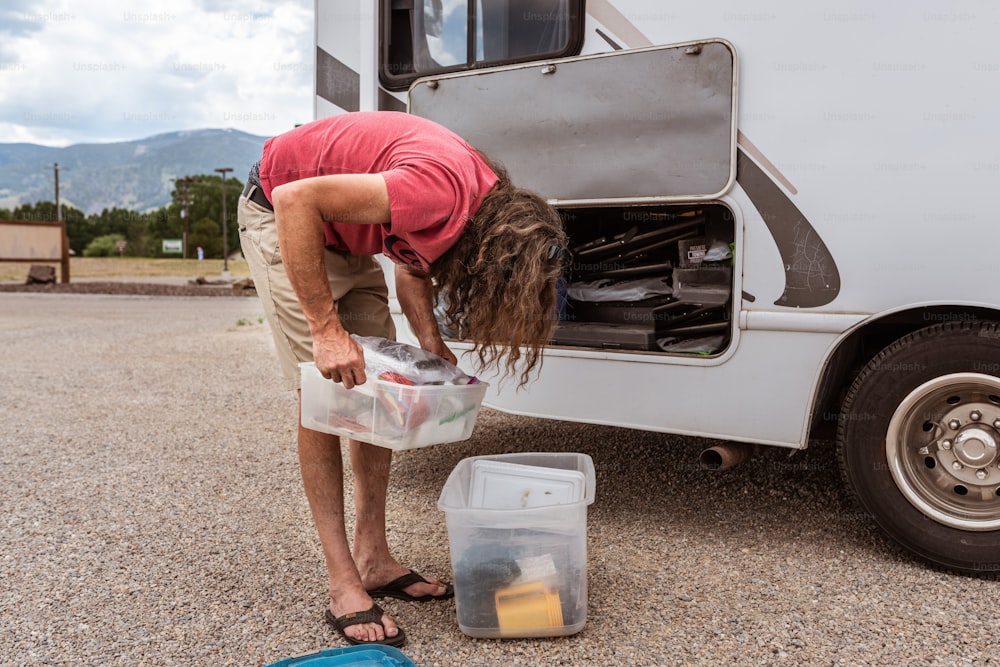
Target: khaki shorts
point(356, 282)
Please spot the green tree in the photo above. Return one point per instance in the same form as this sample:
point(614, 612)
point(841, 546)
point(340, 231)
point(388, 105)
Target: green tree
point(145, 231)
point(208, 234)
point(76, 223)
point(164, 223)
point(137, 236)
point(203, 193)
point(130, 224)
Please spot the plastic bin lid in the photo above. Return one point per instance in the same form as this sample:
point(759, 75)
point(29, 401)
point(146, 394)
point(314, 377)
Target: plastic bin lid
point(456, 495)
point(368, 655)
point(502, 485)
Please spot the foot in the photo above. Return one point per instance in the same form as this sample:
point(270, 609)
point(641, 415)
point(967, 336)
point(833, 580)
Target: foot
point(422, 588)
point(372, 615)
point(397, 588)
point(362, 632)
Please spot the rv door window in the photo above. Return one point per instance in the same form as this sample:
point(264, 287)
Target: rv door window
point(422, 37)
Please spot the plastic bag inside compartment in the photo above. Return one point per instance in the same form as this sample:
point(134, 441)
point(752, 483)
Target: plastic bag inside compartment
point(406, 364)
point(628, 290)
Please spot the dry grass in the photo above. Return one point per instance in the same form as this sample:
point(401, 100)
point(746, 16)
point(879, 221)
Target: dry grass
point(130, 267)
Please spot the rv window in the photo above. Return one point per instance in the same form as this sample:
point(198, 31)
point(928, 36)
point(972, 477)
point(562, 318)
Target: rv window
point(421, 37)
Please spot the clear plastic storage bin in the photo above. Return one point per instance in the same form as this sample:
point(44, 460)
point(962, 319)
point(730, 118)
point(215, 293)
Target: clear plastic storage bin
point(518, 539)
point(388, 414)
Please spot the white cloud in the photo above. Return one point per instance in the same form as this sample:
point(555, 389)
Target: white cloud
point(73, 72)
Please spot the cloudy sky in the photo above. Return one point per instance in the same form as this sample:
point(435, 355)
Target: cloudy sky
point(114, 70)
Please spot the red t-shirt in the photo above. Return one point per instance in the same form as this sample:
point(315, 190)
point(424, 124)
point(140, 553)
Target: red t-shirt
point(435, 180)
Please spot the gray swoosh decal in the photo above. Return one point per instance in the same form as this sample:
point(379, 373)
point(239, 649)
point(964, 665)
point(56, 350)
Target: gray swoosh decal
point(811, 275)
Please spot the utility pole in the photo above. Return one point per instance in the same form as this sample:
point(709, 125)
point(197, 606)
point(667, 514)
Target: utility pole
point(55, 168)
point(185, 190)
point(225, 225)
point(64, 263)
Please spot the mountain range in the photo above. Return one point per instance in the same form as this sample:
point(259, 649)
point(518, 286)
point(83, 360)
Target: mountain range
point(134, 175)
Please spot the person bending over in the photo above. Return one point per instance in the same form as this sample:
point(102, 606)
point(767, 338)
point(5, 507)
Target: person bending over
point(324, 198)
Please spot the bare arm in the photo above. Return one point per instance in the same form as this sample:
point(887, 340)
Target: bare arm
point(415, 294)
point(300, 207)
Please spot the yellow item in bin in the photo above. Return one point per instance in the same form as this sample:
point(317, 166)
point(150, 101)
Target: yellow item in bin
point(527, 607)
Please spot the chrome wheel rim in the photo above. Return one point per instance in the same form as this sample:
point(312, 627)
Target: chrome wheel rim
point(943, 450)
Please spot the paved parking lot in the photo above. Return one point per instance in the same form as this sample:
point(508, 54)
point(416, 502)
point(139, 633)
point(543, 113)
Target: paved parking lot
point(152, 515)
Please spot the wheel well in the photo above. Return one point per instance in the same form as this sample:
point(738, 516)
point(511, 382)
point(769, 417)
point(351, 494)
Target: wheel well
point(861, 346)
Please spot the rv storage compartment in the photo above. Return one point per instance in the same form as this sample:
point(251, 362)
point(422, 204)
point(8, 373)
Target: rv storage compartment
point(649, 278)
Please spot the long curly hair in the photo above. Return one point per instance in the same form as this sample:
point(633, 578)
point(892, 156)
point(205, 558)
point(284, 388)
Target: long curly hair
point(497, 284)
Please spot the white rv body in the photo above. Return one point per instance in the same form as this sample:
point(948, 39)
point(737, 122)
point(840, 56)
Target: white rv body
point(875, 123)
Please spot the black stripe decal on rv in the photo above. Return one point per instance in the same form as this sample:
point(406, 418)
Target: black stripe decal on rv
point(388, 102)
point(336, 82)
point(811, 275)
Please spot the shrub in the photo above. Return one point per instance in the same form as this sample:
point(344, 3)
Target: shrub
point(103, 246)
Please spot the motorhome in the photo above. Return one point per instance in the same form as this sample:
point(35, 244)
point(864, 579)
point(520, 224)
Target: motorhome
point(779, 215)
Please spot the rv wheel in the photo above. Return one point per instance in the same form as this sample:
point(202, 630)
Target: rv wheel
point(919, 443)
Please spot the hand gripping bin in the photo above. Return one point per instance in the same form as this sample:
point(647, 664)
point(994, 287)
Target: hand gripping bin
point(517, 528)
point(387, 414)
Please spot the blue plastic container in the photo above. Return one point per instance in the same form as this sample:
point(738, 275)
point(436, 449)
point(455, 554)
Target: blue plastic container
point(369, 655)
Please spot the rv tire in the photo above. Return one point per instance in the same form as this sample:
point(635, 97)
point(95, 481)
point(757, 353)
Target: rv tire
point(918, 443)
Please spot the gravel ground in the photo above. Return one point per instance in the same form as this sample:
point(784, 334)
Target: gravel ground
point(152, 515)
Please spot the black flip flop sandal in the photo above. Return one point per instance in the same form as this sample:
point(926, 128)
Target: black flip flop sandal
point(394, 589)
point(373, 615)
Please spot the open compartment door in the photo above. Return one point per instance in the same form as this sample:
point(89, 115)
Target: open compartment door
point(652, 124)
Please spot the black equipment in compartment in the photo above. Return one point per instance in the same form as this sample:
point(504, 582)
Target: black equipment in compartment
point(616, 249)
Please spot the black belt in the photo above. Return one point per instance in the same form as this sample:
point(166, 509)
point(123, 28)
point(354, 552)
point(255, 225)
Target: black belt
point(253, 192)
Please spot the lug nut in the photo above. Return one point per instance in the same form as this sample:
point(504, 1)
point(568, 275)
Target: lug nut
point(975, 415)
point(954, 424)
point(946, 444)
point(981, 474)
point(956, 465)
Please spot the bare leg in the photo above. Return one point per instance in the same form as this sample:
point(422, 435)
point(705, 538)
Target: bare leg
point(371, 551)
point(323, 481)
